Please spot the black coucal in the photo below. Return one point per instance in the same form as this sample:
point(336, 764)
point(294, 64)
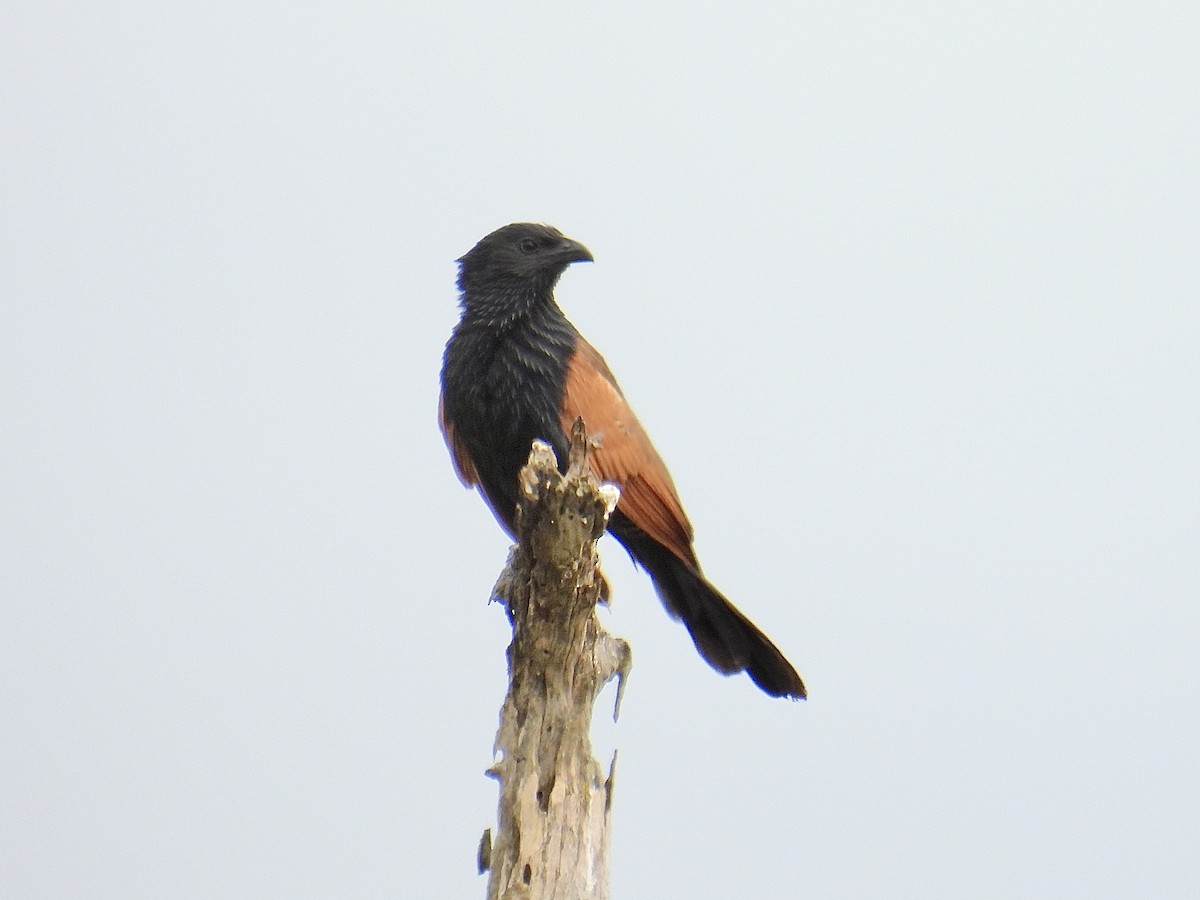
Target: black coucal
point(516, 370)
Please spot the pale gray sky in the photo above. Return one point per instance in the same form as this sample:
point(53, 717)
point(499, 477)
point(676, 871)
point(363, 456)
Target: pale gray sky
point(907, 295)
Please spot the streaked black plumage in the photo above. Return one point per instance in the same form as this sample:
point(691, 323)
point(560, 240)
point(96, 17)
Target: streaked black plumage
point(516, 370)
point(505, 367)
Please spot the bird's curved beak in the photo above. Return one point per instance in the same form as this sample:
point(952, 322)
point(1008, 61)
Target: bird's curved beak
point(573, 251)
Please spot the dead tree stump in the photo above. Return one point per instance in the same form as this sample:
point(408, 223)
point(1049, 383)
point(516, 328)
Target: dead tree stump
point(552, 833)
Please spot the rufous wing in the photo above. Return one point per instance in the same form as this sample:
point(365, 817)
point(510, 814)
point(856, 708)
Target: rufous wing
point(622, 452)
point(462, 460)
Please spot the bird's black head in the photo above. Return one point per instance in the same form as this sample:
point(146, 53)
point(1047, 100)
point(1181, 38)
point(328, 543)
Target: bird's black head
point(518, 259)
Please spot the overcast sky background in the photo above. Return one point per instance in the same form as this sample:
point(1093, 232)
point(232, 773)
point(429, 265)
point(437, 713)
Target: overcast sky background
point(907, 295)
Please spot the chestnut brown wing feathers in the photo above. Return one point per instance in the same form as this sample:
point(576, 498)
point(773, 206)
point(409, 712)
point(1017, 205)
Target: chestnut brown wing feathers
point(462, 460)
point(623, 453)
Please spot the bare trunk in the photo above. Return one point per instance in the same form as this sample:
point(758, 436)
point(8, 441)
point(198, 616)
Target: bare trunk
point(552, 836)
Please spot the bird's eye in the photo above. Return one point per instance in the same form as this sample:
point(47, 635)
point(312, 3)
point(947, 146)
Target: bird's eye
point(528, 245)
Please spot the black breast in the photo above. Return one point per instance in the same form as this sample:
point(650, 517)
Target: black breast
point(502, 388)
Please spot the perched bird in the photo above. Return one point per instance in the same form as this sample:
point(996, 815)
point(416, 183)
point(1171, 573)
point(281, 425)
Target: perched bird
point(516, 370)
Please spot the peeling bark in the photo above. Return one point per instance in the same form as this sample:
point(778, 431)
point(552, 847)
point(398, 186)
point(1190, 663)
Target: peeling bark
point(552, 836)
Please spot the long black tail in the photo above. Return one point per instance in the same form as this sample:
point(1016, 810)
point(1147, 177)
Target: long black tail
point(728, 641)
